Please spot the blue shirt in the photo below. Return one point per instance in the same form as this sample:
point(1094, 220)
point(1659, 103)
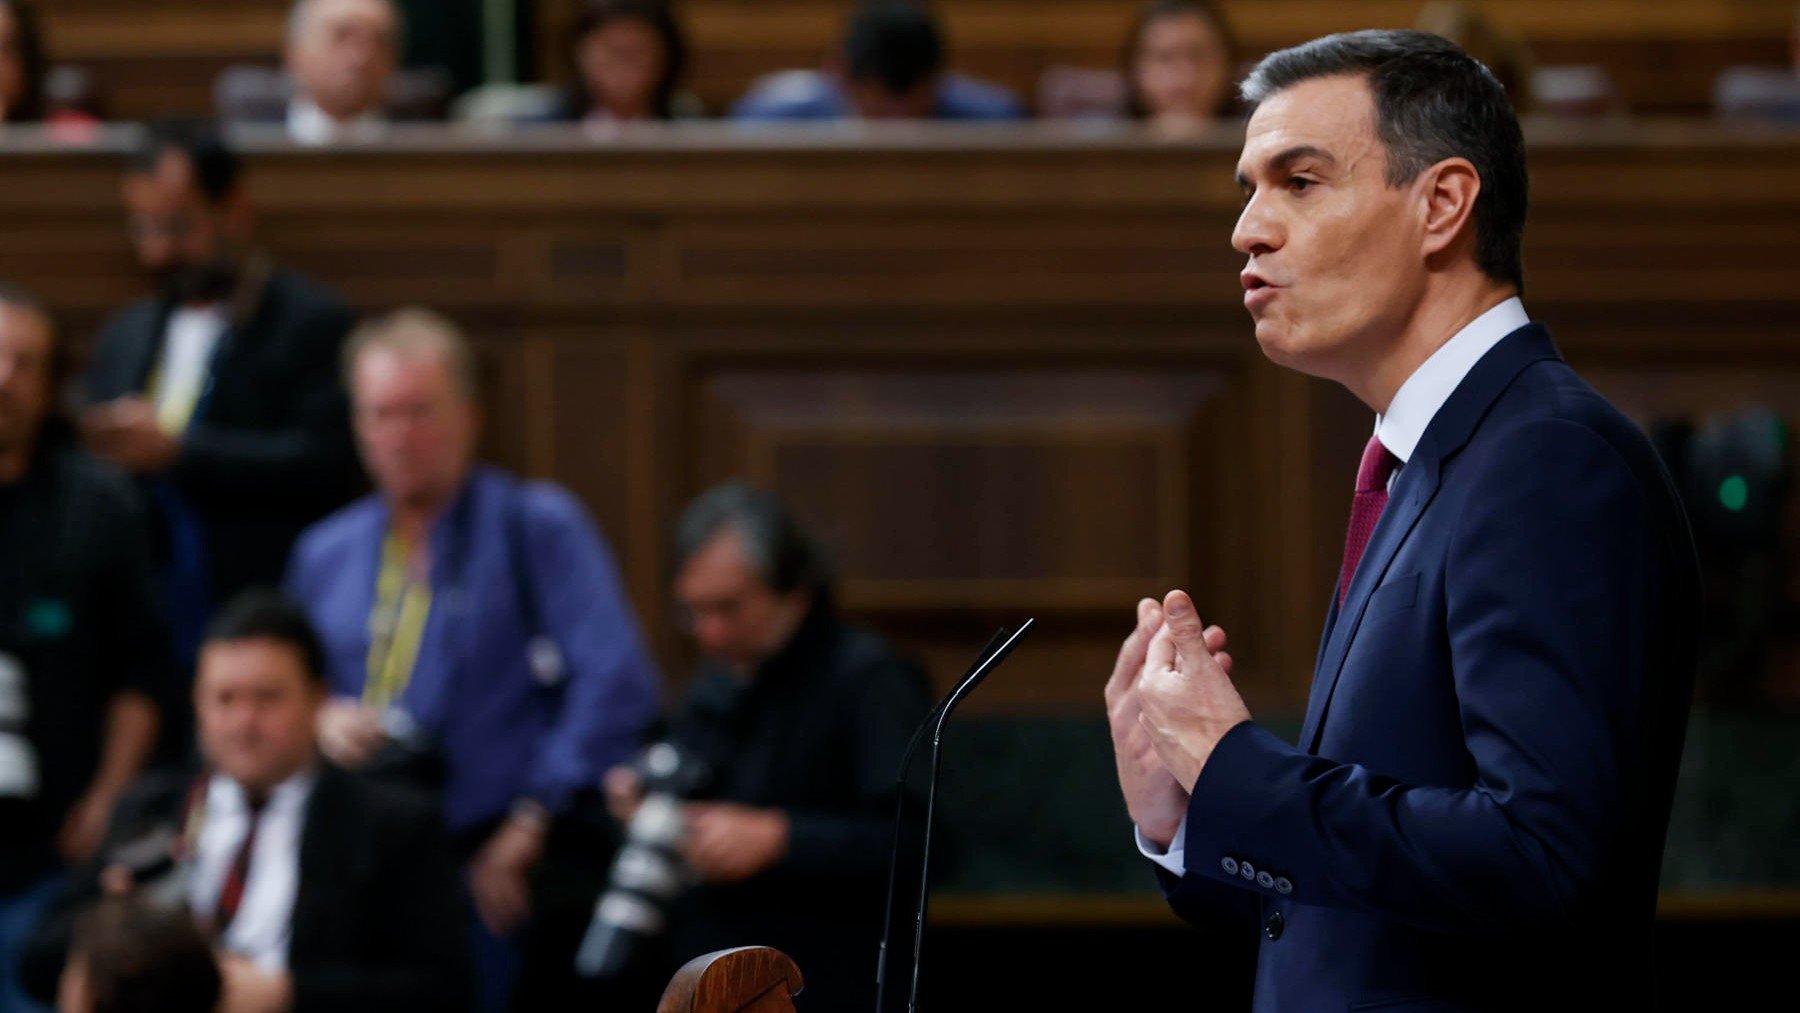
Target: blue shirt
point(504, 734)
point(811, 95)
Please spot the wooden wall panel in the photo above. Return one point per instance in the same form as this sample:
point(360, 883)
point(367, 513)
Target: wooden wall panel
point(1006, 373)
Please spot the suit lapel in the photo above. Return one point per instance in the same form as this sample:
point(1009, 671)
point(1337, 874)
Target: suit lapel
point(325, 858)
point(1413, 492)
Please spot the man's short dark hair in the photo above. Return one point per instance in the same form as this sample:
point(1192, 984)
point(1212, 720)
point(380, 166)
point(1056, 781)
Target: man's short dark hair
point(260, 614)
point(785, 557)
point(1432, 101)
point(894, 43)
point(216, 167)
point(144, 957)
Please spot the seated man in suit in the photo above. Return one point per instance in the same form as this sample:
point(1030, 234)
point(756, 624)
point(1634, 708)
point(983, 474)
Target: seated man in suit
point(322, 891)
point(1473, 817)
point(220, 391)
point(890, 66)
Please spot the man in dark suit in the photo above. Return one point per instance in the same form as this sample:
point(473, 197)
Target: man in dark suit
point(1474, 815)
point(221, 391)
point(322, 891)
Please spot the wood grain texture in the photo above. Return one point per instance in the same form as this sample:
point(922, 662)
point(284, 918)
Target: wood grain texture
point(1002, 373)
point(749, 979)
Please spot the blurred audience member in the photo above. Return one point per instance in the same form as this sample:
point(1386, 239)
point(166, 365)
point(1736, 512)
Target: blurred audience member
point(339, 80)
point(475, 625)
point(341, 55)
point(22, 64)
point(629, 58)
point(82, 657)
point(132, 956)
point(890, 66)
point(1497, 47)
point(1764, 93)
point(1180, 64)
point(323, 891)
point(801, 719)
point(220, 391)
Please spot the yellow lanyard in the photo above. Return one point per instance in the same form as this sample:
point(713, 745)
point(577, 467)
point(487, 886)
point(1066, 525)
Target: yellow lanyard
point(396, 626)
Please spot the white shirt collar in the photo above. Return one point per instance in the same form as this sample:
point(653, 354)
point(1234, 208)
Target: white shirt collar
point(1417, 401)
point(308, 124)
point(225, 796)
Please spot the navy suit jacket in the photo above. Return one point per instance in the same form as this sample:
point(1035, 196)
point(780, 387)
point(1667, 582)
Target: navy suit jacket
point(1474, 815)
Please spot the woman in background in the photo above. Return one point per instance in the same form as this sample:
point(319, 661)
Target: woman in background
point(1180, 65)
point(629, 58)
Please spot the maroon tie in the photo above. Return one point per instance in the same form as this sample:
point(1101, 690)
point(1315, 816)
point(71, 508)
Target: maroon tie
point(1378, 465)
point(232, 893)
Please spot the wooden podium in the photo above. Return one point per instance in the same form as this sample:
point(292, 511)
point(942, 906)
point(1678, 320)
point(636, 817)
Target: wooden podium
point(749, 979)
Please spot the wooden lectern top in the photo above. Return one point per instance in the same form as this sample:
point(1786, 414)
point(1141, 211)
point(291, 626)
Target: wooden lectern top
point(749, 979)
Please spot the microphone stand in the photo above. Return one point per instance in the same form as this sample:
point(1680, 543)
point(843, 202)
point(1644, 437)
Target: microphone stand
point(990, 657)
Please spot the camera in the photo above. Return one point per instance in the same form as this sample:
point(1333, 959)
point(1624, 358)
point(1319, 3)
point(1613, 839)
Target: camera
point(648, 873)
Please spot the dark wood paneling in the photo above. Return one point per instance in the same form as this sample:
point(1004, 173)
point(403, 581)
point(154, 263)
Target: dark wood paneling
point(1005, 373)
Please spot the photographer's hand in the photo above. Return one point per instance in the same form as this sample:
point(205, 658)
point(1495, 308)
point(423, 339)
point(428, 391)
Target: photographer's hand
point(728, 842)
point(500, 874)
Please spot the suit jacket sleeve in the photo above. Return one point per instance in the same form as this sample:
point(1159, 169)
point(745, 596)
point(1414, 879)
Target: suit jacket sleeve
point(424, 963)
point(1552, 584)
point(311, 459)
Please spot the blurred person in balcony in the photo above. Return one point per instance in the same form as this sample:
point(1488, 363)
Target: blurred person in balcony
point(890, 65)
point(1763, 93)
point(22, 64)
point(799, 719)
point(82, 655)
point(1180, 65)
point(629, 59)
point(220, 391)
point(478, 638)
point(32, 92)
point(341, 56)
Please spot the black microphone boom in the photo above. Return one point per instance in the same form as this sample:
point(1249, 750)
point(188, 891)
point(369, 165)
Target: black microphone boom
point(990, 657)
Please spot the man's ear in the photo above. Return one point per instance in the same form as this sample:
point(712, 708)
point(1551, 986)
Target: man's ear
point(1448, 189)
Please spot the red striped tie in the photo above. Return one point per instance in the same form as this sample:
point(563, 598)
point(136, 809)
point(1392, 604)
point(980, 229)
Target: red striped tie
point(1378, 465)
point(232, 893)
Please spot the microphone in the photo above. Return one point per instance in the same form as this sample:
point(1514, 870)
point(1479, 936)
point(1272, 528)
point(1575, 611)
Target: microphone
point(998, 647)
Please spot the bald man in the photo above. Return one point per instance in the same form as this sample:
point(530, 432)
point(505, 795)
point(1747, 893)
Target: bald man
point(341, 56)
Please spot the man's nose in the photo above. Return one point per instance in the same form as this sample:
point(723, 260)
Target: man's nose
point(1256, 232)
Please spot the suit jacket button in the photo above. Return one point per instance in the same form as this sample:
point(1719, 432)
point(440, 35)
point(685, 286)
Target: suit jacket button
point(1229, 864)
point(1272, 927)
point(1246, 870)
point(1264, 880)
point(1283, 885)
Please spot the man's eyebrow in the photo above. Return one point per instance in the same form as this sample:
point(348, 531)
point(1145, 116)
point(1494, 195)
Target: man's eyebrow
point(1288, 157)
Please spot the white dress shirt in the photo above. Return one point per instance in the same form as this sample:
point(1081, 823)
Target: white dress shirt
point(308, 124)
point(1415, 404)
point(189, 341)
point(263, 925)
